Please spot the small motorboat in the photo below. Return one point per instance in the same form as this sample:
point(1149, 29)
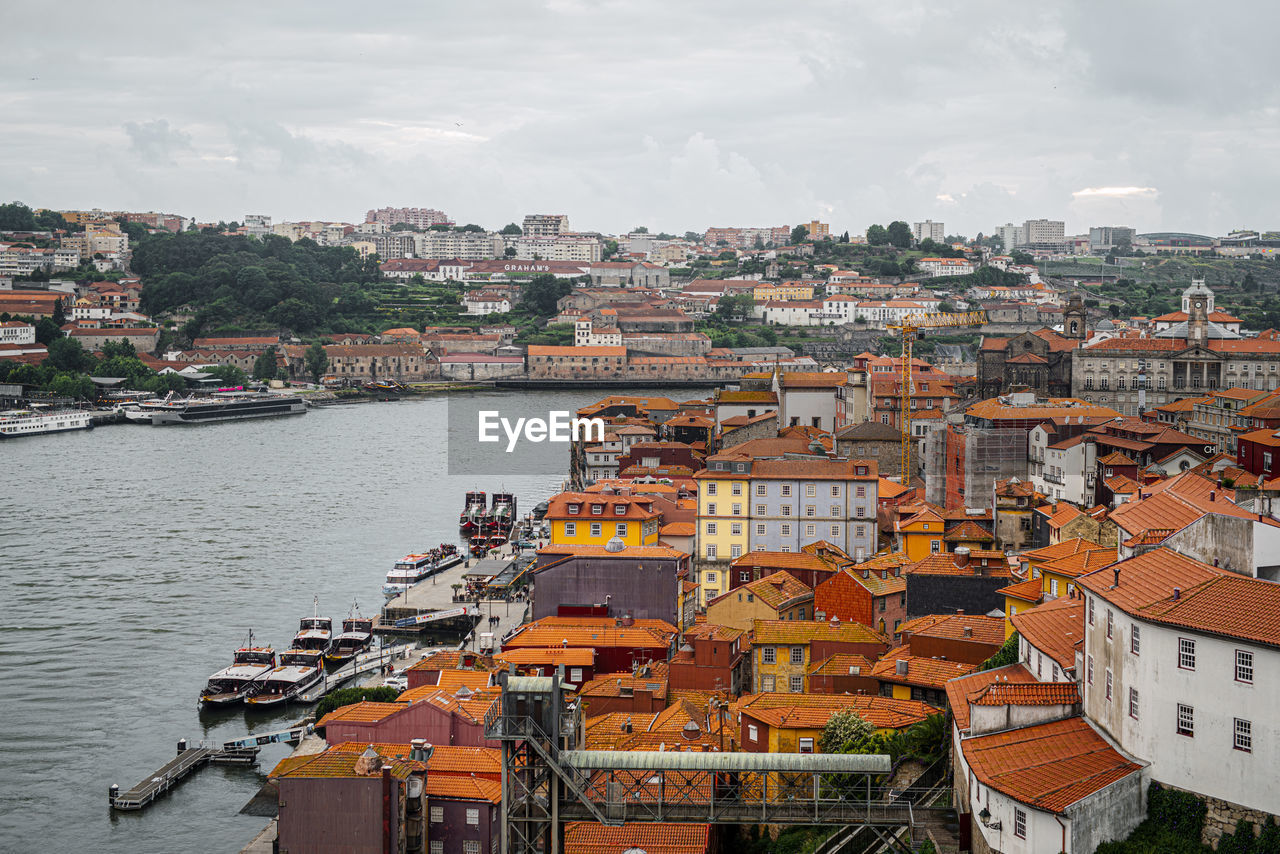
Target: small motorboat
point(314, 632)
point(356, 637)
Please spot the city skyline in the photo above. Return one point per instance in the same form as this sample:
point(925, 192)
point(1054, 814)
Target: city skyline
point(698, 117)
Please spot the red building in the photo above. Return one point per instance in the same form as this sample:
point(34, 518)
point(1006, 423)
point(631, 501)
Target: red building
point(439, 716)
point(872, 593)
point(1258, 452)
point(752, 566)
point(620, 644)
point(843, 673)
point(712, 658)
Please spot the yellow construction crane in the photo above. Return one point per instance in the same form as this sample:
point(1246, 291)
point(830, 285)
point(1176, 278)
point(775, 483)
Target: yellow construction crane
point(908, 329)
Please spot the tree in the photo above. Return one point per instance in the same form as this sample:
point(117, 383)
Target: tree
point(472, 228)
point(900, 234)
point(509, 252)
point(1021, 258)
point(512, 228)
point(640, 229)
point(59, 314)
point(759, 244)
point(877, 236)
point(316, 360)
point(266, 367)
point(799, 234)
point(946, 307)
point(610, 248)
point(66, 354)
point(47, 331)
point(15, 216)
point(123, 348)
point(229, 374)
point(693, 237)
point(845, 732)
point(1007, 654)
point(1114, 308)
point(1249, 283)
point(542, 293)
point(77, 386)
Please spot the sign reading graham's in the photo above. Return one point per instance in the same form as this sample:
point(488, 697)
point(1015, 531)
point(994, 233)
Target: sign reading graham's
point(526, 268)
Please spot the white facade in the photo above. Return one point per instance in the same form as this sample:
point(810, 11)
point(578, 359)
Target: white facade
point(484, 302)
point(929, 230)
point(1011, 235)
point(17, 332)
point(1041, 664)
point(1146, 724)
point(560, 248)
point(586, 335)
point(945, 266)
point(1063, 474)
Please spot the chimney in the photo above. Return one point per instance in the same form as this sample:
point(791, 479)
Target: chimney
point(960, 557)
point(959, 612)
point(1213, 495)
point(968, 631)
point(900, 667)
point(1177, 593)
point(1116, 580)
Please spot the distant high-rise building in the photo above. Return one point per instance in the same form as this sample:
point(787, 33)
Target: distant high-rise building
point(745, 238)
point(1106, 237)
point(545, 225)
point(1044, 235)
point(257, 225)
point(935, 231)
point(1012, 235)
point(417, 217)
point(818, 230)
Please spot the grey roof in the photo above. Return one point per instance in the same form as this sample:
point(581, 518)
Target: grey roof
point(1182, 330)
point(671, 760)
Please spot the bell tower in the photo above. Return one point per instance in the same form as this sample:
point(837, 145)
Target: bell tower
point(1073, 319)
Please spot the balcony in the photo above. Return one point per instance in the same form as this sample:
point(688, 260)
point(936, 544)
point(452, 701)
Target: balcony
point(1053, 478)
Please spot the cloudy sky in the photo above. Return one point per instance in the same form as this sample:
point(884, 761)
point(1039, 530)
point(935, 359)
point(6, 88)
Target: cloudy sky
point(1160, 114)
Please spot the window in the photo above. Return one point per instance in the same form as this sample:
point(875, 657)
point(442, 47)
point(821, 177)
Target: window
point(595, 529)
point(737, 489)
point(1053, 586)
point(760, 510)
point(785, 529)
point(598, 509)
point(711, 528)
point(620, 529)
point(437, 814)
point(1133, 703)
point(1186, 720)
point(835, 510)
point(861, 512)
point(1135, 638)
point(806, 745)
point(835, 532)
point(1091, 610)
point(471, 846)
point(473, 817)
point(437, 846)
point(861, 530)
point(861, 492)
point(810, 530)
point(768, 655)
point(575, 675)
point(835, 491)
point(1111, 624)
point(573, 509)
point(797, 684)
point(759, 531)
point(1109, 682)
point(711, 578)
point(786, 490)
point(784, 510)
point(1089, 670)
point(760, 489)
point(797, 655)
point(735, 551)
point(736, 529)
point(711, 551)
point(1019, 823)
point(1186, 654)
point(571, 529)
point(744, 575)
point(711, 487)
point(711, 509)
point(1244, 736)
point(810, 490)
point(753, 732)
point(767, 684)
point(1244, 666)
point(737, 509)
point(810, 510)
point(935, 545)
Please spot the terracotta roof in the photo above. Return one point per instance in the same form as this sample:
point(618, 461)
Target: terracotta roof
point(602, 634)
point(945, 563)
point(1054, 628)
point(1026, 694)
point(959, 689)
point(1122, 485)
point(746, 397)
point(814, 469)
point(334, 763)
point(814, 710)
point(925, 672)
point(780, 632)
point(582, 837)
point(994, 410)
point(971, 627)
point(363, 712)
point(452, 659)
point(1027, 359)
point(628, 552)
point(778, 590)
point(1210, 600)
point(1027, 591)
point(1050, 766)
point(840, 664)
point(445, 758)
point(457, 787)
point(1079, 563)
point(782, 561)
point(611, 684)
point(799, 379)
point(572, 657)
point(968, 532)
point(1075, 545)
point(637, 507)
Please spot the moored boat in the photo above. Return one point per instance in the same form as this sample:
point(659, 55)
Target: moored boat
point(314, 632)
point(356, 637)
point(479, 544)
point(29, 422)
point(234, 405)
point(503, 513)
point(475, 513)
point(249, 665)
point(411, 569)
point(299, 670)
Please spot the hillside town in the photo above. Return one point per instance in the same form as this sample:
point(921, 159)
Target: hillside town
point(969, 514)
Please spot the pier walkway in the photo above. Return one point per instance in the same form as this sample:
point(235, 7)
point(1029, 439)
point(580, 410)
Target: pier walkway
point(169, 775)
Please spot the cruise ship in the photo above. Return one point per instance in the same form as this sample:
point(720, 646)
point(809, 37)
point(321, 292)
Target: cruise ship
point(29, 422)
point(222, 406)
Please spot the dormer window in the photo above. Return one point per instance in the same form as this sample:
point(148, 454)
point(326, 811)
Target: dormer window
point(619, 509)
point(597, 509)
point(573, 509)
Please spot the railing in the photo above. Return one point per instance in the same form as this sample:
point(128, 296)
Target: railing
point(858, 839)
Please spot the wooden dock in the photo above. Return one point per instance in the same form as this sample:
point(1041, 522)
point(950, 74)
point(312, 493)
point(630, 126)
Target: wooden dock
point(169, 775)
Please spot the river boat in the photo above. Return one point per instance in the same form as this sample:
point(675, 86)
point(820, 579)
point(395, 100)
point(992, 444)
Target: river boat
point(502, 515)
point(314, 632)
point(385, 387)
point(479, 544)
point(249, 665)
point(411, 569)
point(356, 637)
point(220, 406)
point(475, 513)
point(31, 422)
point(299, 670)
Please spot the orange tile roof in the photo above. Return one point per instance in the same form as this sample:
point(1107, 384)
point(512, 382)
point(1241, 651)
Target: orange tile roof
point(1026, 694)
point(678, 529)
point(637, 507)
point(958, 690)
point(601, 551)
point(973, 627)
point(945, 563)
point(572, 657)
point(782, 560)
point(334, 763)
point(457, 787)
point(799, 379)
point(994, 410)
point(1072, 546)
point(452, 659)
point(1054, 628)
point(1060, 514)
point(881, 578)
point(778, 590)
point(812, 711)
point(445, 758)
point(611, 684)
point(1050, 766)
point(583, 837)
point(799, 632)
point(1115, 458)
point(840, 664)
point(1028, 591)
point(542, 634)
point(967, 532)
point(365, 711)
point(925, 672)
point(814, 469)
point(1210, 600)
point(1079, 563)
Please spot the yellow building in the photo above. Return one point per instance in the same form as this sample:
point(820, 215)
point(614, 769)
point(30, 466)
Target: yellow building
point(722, 525)
point(781, 650)
point(780, 596)
point(1018, 598)
point(587, 519)
point(782, 292)
point(793, 723)
point(1058, 566)
point(818, 230)
point(921, 534)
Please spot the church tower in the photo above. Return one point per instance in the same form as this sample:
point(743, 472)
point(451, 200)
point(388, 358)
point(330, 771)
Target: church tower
point(1073, 319)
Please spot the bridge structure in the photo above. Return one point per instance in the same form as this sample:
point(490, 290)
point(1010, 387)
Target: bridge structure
point(547, 781)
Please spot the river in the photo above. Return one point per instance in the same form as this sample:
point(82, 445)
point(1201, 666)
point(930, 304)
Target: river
point(133, 561)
